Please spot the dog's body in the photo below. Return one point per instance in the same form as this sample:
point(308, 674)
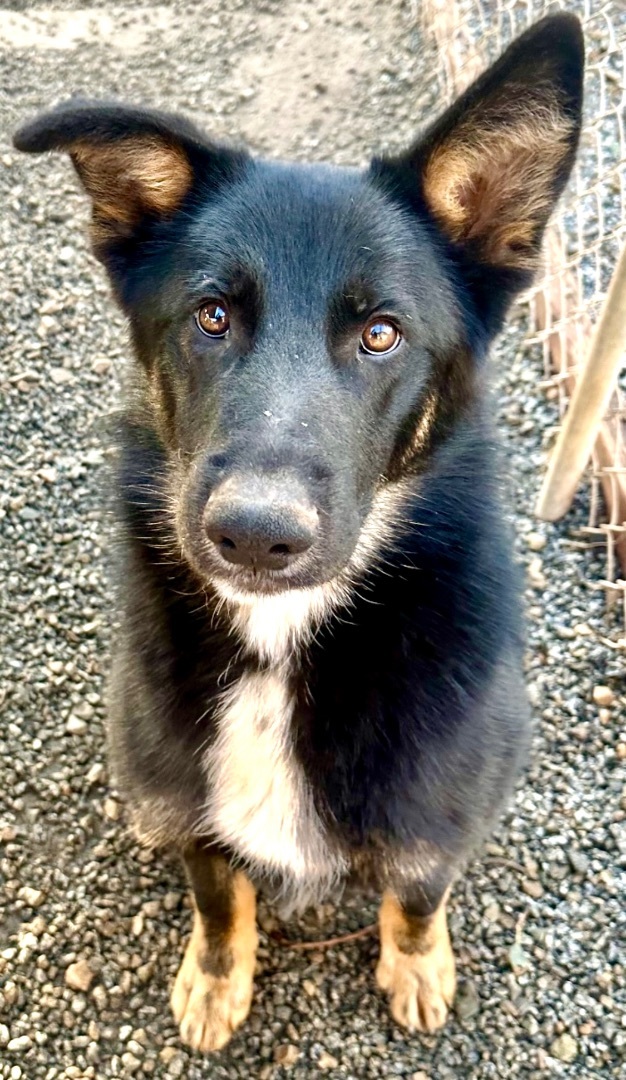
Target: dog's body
point(315, 739)
point(319, 673)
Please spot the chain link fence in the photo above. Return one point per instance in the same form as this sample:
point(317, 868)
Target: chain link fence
point(587, 234)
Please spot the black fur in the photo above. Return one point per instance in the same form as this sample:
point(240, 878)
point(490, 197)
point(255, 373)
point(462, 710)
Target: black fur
point(411, 719)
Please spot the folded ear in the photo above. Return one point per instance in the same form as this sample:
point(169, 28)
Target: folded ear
point(137, 165)
point(492, 167)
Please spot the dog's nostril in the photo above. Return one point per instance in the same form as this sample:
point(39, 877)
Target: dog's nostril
point(280, 549)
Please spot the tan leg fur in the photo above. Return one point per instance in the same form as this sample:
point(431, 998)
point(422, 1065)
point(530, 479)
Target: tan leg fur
point(209, 1006)
point(416, 965)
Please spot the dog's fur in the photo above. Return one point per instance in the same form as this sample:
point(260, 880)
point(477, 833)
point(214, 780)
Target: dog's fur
point(359, 710)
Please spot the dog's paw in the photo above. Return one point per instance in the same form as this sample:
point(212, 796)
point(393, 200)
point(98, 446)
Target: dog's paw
point(421, 988)
point(416, 967)
point(208, 1007)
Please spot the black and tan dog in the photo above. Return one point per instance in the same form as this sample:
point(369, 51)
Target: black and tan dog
point(319, 674)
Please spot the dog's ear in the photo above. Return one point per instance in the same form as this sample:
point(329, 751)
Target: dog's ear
point(137, 165)
point(492, 167)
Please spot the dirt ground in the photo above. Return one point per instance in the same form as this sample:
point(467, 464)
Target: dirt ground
point(91, 927)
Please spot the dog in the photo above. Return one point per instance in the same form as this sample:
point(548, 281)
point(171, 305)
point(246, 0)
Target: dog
point(318, 677)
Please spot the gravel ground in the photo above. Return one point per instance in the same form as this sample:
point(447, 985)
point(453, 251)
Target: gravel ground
point(92, 926)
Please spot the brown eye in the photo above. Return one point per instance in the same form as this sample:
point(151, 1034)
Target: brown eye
point(380, 336)
point(213, 319)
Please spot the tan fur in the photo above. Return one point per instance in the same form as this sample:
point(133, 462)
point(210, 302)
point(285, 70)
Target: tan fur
point(493, 182)
point(416, 965)
point(208, 1007)
point(422, 430)
point(130, 177)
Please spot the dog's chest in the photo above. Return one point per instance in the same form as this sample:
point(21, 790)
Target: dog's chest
point(260, 803)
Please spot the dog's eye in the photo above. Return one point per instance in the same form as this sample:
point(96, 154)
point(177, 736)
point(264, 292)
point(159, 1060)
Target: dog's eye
point(213, 319)
point(380, 336)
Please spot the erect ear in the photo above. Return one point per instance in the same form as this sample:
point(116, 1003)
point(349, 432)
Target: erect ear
point(138, 165)
point(492, 167)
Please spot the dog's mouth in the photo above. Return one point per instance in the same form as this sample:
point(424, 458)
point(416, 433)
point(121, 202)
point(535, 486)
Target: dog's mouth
point(233, 581)
point(256, 582)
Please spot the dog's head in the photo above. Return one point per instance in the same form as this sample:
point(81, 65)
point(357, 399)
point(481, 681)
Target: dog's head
point(307, 335)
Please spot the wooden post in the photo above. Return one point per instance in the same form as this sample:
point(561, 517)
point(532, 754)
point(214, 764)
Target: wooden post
point(588, 403)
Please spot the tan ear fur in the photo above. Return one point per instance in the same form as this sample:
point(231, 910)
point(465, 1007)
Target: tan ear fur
point(129, 178)
point(492, 179)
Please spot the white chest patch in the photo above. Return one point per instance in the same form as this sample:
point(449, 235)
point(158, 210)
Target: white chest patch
point(259, 802)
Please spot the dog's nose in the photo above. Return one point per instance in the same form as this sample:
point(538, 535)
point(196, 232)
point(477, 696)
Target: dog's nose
point(265, 525)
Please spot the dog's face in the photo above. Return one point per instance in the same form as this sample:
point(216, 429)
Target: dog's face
point(290, 342)
point(306, 335)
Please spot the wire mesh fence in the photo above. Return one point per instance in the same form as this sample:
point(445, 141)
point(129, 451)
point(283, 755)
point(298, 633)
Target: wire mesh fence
point(587, 234)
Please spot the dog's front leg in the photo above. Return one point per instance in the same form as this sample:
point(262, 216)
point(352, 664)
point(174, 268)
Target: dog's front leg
point(213, 988)
point(416, 965)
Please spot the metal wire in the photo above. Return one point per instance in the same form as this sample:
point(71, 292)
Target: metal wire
point(588, 231)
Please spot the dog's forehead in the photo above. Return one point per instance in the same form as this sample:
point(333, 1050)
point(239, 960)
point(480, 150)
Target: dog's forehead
point(314, 222)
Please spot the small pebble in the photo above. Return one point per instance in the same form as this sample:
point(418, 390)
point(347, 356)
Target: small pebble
point(111, 809)
point(536, 575)
point(565, 1048)
point(76, 726)
point(578, 861)
point(286, 1055)
point(535, 541)
point(533, 888)
point(79, 975)
point(467, 1001)
point(603, 695)
point(130, 1062)
point(32, 897)
point(96, 774)
point(22, 1042)
point(176, 1066)
point(60, 375)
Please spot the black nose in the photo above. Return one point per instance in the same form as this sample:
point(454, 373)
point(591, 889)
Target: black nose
point(265, 524)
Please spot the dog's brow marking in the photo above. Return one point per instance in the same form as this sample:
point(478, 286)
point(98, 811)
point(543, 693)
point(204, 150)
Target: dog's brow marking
point(259, 802)
point(422, 429)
